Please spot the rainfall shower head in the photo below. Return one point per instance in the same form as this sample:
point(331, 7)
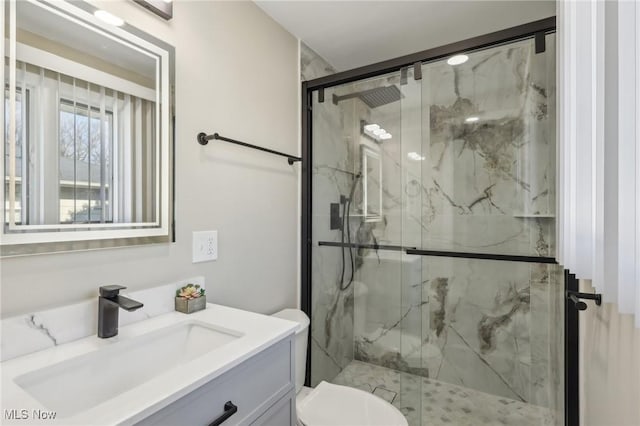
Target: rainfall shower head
point(373, 97)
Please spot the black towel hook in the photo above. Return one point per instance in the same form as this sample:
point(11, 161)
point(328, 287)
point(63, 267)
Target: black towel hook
point(575, 297)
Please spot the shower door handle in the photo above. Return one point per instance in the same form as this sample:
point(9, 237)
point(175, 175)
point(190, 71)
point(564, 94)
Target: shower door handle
point(366, 246)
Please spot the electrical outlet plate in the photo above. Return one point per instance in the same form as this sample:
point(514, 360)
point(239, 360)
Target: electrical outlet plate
point(205, 246)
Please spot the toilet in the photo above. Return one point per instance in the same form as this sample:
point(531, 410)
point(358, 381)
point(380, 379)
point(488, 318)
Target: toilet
point(334, 405)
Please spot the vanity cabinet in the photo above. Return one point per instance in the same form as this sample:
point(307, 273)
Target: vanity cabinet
point(262, 388)
point(281, 413)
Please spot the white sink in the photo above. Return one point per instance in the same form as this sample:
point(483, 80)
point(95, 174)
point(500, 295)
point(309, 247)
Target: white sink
point(127, 378)
point(101, 375)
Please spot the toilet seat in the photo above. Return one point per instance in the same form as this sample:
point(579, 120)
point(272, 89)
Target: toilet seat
point(335, 405)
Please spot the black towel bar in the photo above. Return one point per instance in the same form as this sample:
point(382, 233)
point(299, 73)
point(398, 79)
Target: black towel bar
point(204, 139)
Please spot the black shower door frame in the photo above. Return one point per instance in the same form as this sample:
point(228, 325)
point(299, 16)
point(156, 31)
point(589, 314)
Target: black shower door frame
point(538, 30)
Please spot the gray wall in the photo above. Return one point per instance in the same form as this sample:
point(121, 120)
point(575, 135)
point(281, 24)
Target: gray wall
point(237, 74)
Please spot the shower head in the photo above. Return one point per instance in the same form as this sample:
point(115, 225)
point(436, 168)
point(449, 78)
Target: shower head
point(373, 97)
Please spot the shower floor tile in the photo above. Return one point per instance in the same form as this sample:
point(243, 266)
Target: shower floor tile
point(438, 403)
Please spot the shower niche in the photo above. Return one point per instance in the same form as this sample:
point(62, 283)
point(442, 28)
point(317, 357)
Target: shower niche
point(439, 291)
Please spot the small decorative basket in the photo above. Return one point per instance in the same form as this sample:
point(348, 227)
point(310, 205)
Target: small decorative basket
point(190, 299)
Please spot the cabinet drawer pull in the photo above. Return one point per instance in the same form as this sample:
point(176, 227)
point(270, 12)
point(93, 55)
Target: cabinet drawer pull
point(229, 410)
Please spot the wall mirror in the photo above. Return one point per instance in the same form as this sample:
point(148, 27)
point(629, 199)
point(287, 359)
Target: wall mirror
point(371, 184)
point(88, 116)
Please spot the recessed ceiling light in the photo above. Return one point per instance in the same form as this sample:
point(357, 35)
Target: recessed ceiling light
point(385, 136)
point(108, 18)
point(472, 119)
point(371, 127)
point(457, 59)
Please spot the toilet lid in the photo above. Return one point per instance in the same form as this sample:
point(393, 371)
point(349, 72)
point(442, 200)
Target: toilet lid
point(335, 405)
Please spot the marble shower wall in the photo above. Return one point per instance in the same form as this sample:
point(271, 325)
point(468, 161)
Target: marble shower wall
point(447, 184)
point(332, 312)
point(488, 326)
point(313, 65)
point(337, 159)
point(484, 186)
point(489, 185)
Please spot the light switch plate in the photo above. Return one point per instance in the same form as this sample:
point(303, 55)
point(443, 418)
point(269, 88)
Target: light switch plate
point(205, 246)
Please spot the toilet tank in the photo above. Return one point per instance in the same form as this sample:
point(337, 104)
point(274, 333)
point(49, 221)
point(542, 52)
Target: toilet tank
point(302, 331)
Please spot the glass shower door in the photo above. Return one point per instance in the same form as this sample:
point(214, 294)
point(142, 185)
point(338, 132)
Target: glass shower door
point(366, 292)
point(489, 151)
point(412, 294)
point(433, 280)
point(356, 231)
point(492, 327)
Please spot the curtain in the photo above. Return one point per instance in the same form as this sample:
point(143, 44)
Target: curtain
point(599, 147)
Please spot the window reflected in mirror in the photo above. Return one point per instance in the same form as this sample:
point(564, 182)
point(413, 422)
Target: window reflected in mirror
point(90, 109)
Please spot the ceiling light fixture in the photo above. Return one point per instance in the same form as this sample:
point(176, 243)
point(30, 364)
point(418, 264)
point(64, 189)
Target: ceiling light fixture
point(471, 119)
point(108, 18)
point(415, 156)
point(457, 59)
point(375, 132)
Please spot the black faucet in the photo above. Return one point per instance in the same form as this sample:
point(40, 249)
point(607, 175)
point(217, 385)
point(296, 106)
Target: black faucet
point(109, 304)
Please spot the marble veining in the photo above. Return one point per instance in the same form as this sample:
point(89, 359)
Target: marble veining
point(481, 179)
point(514, 301)
point(31, 322)
point(470, 334)
point(481, 186)
point(313, 65)
point(32, 332)
point(478, 183)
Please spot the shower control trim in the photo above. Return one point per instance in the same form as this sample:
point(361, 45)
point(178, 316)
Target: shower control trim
point(335, 221)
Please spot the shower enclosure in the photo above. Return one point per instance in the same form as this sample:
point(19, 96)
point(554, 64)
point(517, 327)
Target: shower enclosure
point(428, 246)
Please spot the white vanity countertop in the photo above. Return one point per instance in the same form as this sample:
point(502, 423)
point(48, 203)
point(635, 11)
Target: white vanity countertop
point(258, 332)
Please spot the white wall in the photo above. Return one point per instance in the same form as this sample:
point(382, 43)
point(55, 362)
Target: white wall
point(237, 74)
point(609, 366)
point(609, 342)
point(350, 34)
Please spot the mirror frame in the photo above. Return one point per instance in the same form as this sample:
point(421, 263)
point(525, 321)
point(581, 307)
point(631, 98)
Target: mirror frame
point(49, 238)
